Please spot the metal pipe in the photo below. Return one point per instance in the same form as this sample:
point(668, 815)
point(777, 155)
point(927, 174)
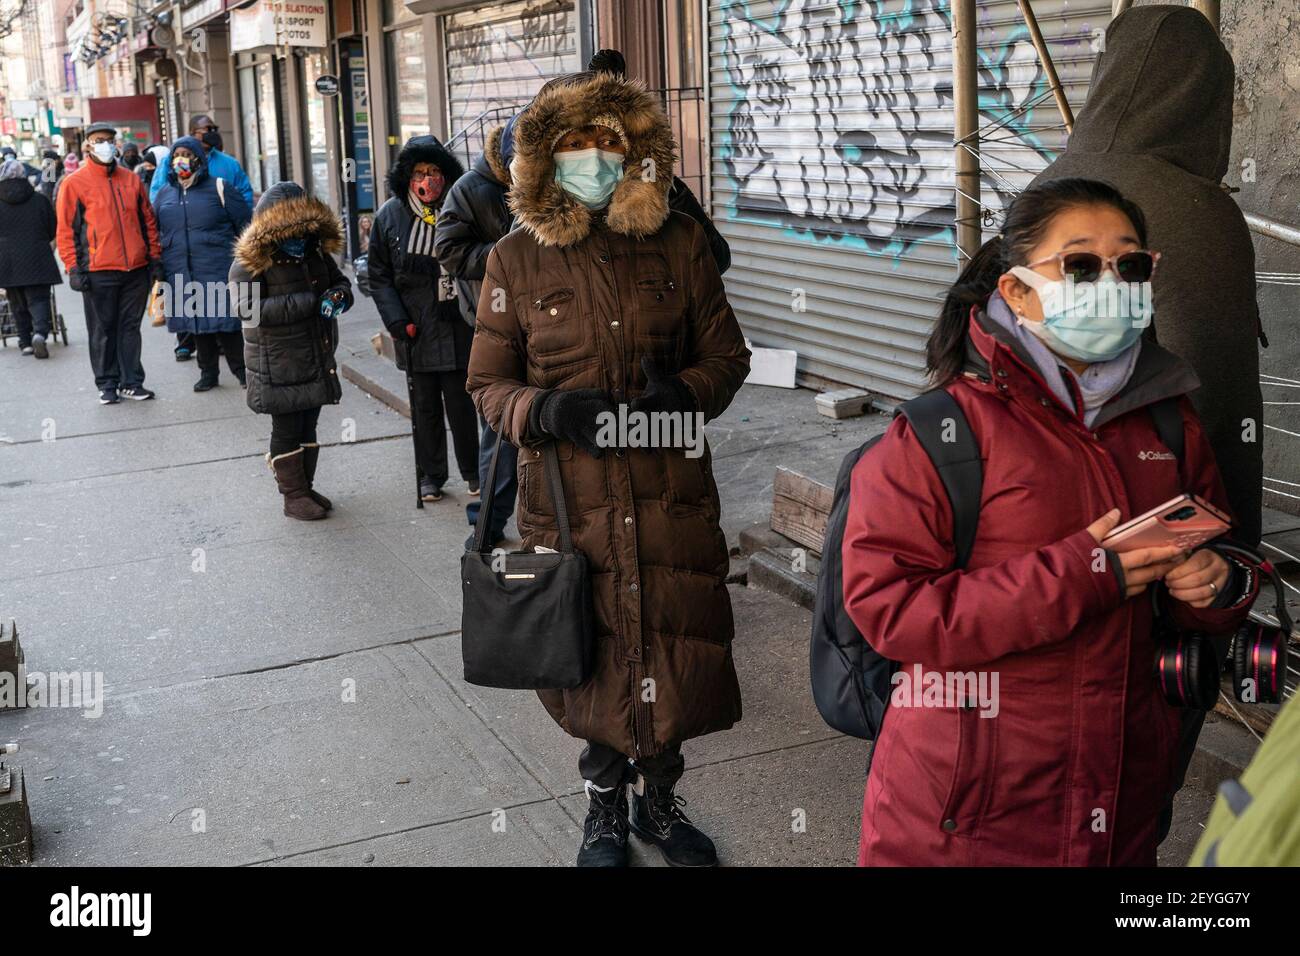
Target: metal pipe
point(1211, 10)
point(1274, 229)
point(965, 111)
point(1045, 57)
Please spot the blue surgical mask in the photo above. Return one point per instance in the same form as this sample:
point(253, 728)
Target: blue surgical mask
point(589, 175)
point(1088, 321)
point(297, 248)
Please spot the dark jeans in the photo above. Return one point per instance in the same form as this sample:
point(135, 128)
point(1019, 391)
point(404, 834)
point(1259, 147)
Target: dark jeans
point(606, 767)
point(293, 430)
point(115, 304)
point(209, 347)
point(32, 311)
point(433, 390)
point(503, 502)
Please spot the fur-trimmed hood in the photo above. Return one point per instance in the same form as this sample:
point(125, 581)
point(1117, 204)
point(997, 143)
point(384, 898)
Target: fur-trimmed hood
point(421, 149)
point(286, 214)
point(639, 205)
point(491, 162)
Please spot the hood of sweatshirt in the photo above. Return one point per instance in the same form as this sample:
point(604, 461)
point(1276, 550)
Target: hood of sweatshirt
point(1162, 87)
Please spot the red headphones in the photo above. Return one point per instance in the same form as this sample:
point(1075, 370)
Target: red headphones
point(1187, 666)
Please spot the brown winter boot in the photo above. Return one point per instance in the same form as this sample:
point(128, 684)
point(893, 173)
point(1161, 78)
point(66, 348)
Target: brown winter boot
point(310, 455)
point(298, 502)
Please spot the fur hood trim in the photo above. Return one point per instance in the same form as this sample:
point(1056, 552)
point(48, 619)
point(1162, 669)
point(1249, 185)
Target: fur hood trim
point(639, 205)
point(299, 216)
point(492, 153)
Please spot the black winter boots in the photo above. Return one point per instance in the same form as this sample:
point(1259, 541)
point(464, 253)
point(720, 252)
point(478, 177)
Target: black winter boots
point(292, 481)
point(657, 818)
point(604, 832)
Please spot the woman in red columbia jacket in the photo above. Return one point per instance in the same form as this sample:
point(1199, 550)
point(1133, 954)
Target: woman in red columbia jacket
point(1075, 755)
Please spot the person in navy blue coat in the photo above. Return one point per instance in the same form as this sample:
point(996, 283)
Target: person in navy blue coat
point(199, 218)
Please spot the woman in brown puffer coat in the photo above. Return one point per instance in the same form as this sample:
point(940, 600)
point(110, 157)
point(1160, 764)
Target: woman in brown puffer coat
point(602, 297)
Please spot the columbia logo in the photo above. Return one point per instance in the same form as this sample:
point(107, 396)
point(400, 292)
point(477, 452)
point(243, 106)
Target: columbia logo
point(1156, 456)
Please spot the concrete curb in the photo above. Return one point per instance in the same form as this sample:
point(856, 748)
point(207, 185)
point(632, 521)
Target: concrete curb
point(387, 388)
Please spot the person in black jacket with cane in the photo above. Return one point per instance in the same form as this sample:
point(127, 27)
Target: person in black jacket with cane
point(412, 294)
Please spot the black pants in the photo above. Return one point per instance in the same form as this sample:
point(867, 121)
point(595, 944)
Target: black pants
point(184, 340)
point(115, 304)
point(30, 305)
point(209, 347)
point(292, 430)
point(433, 390)
point(606, 767)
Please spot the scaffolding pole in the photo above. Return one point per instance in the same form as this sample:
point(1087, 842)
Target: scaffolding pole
point(965, 111)
point(1045, 57)
point(1211, 10)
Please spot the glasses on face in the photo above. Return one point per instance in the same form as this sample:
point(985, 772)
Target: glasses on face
point(1136, 266)
point(209, 129)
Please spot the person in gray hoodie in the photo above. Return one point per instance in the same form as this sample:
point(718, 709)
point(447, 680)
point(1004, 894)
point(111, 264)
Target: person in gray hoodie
point(1158, 126)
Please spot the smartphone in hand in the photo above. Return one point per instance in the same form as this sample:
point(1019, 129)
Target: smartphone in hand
point(1186, 522)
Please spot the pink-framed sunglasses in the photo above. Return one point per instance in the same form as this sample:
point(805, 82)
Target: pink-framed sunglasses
point(1136, 266)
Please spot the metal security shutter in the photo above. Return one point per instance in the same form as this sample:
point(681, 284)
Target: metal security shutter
point(500, 54)
point(832, 164)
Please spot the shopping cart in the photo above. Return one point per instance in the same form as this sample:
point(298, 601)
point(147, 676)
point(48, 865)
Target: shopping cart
point(9, 323)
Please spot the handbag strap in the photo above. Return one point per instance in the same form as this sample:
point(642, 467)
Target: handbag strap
point(557, 496)
point(554, 483)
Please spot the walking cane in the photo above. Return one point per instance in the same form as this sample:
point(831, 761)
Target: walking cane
point(410, 398)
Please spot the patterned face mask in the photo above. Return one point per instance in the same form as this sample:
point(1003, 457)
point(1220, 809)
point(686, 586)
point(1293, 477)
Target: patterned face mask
point(428, 188)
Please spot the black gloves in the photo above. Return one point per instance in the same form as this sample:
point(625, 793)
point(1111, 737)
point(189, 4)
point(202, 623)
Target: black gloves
point(663, 392)
point(398, 331)
point(570, 416)
point(156, 271)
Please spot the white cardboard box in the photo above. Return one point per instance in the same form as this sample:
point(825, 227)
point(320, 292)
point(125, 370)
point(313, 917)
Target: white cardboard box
point(771, 366)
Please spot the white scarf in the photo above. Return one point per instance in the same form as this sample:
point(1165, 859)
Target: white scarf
point(421, 241)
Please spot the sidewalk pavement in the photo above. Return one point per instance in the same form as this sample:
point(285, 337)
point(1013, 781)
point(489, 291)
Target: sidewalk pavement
point(281, 692)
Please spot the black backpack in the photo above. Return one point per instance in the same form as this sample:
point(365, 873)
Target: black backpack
point(850, 681)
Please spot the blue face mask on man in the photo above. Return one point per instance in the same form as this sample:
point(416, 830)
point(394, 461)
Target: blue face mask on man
point(589, 175)
point(297, 248)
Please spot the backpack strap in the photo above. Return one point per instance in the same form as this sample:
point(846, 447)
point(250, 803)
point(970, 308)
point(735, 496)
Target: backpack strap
point(1168, 418)
point(945, 434)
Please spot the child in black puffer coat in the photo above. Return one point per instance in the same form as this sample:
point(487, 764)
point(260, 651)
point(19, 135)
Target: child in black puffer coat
point(290, 293)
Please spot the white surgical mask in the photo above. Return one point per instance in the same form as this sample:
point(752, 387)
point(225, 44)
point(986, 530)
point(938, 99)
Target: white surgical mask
point(105, 152)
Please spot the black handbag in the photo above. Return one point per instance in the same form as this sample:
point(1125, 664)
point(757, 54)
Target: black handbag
point(526, 618)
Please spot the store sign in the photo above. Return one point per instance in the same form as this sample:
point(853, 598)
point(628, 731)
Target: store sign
point(327, 85)
point(25, 109)
point(270, 23)
point(197, 13)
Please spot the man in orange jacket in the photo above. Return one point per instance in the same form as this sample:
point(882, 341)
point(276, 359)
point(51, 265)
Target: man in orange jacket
point(108, 240)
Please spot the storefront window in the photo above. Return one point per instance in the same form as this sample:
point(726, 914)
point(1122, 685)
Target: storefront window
point(409, 82)
point(315, 112)
point(248, 121)
point(270, 125)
